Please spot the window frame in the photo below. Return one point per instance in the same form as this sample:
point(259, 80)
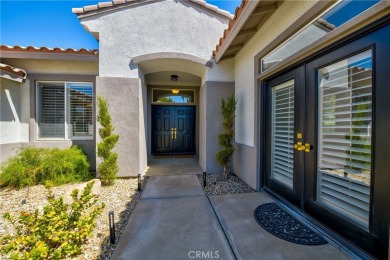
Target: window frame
point(302, 28)
point(174, 104)
point(66, 110)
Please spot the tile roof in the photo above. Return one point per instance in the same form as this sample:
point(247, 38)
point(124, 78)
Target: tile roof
point(19, 72)
point(102, 5)
point(47, 50)
point(232, 22)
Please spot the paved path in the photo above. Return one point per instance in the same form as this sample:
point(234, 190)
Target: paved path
point(175, 220)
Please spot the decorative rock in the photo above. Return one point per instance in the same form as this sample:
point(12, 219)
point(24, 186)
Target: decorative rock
point(120, 197)
point(233, 185)
point(95, 190)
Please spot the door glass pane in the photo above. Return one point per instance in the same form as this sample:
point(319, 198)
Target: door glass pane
point(344, 140)
point(181, 96)
point(282, 151)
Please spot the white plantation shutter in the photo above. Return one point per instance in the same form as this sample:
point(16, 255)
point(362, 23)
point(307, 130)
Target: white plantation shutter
point(51, 108)
point(80, 102)
point(282, 151)
point(344, 154)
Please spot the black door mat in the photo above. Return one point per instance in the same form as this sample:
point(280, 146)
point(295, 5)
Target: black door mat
point(280, 223)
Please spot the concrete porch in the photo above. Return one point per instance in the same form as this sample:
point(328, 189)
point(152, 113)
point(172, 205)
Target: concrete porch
point(174, 219)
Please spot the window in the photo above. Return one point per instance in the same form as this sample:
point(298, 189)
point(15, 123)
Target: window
point(282, 158)
point(65, 110)
point(180, 96)
point(330, 20)
point(344, 166)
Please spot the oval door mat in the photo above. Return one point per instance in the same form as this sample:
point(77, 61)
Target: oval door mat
point(280, 223)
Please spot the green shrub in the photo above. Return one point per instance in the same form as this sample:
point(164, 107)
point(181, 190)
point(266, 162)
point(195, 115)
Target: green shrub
point(225, 139)
point(108, 168)
point(58, 232)
point(45, 166)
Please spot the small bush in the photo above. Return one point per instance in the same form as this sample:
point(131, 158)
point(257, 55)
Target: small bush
point(58, 232)
point(45, 166)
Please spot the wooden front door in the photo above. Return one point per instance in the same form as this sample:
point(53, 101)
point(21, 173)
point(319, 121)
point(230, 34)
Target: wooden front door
point(173, 130)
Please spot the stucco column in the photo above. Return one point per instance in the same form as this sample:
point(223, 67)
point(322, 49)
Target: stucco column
point(210, 120)
point(123, 97)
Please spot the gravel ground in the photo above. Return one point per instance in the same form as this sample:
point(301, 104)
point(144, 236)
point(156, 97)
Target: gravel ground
point(121, 198)
point(217, 187)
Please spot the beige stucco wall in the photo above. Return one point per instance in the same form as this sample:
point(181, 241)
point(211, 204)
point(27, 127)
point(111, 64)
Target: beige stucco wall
point(244, 66)
point(14, 111)
point(72, 67)
point(210, 125)
point(18, 103)
point(159, 26)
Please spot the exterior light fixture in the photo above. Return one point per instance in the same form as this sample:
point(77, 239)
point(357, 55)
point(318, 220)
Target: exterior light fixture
point(111, 225)
point(174, 77)
point(175, 91)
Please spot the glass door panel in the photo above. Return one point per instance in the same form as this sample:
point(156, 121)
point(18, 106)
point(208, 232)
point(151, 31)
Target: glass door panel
point(344, 137)
point(282, 137)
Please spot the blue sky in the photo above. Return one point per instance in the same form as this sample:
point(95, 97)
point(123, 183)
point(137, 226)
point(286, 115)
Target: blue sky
point(52, 23)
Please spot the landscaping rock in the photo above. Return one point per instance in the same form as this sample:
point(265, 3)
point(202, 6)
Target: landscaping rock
point(232, 185)
point(120, 198)
point(95, 190)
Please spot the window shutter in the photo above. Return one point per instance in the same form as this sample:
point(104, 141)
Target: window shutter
point(282, 152)
point(345, 113)
point(51, 111)
point(80, 104)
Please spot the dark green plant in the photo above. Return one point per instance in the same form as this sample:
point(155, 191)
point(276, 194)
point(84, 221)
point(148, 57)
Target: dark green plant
point(58, 232)
point(108, 168)
point(225, 139)
point(51, 167)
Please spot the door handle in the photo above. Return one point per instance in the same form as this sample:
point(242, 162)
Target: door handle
point(172, 133)
point(175, 131)
point(299, 146)
point(307, 147)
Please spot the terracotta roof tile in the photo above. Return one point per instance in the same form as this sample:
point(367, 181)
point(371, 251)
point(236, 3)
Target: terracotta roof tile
point(102, 5)
point(232, 22)
point(19, 72)
point(47, 50)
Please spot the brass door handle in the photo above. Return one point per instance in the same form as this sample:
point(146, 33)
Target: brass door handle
point(299, 146)
point(175, 131)
point(307, 147)
point(172, 133)
point(302, 147)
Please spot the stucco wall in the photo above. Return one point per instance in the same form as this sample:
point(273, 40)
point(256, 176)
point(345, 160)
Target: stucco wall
point(55, 66)
point(14, 111)
point(222, 72)
point(244, 66)
point(143, 116)
point(123, 97)
point(159, 26)
point(211, 122)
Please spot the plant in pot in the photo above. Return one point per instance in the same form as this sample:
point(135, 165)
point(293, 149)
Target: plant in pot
point(225, 139)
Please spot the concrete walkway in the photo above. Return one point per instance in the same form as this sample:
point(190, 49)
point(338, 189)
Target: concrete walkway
point(175, 220)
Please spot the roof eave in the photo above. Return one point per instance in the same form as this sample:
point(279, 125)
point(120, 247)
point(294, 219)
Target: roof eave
point(241, 19)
